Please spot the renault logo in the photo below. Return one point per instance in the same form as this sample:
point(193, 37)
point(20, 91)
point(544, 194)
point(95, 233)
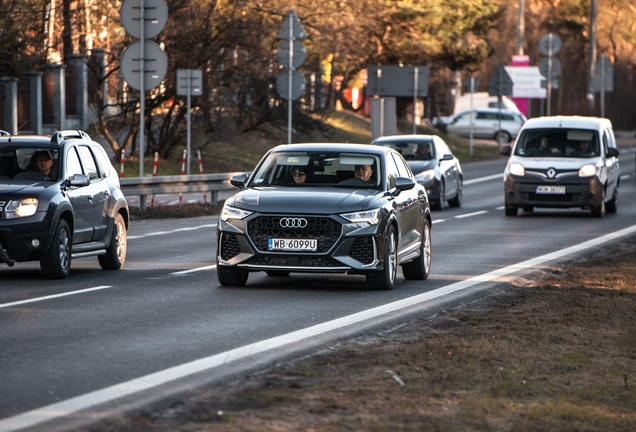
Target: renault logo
point(551, 173)
point(293, 222)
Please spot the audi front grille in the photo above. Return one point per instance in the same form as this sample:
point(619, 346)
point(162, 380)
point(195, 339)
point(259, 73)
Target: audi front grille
point(324, 229)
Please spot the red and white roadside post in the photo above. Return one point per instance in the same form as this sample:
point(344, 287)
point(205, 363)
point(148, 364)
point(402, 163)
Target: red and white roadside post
point(154, 174)
point(201, 172)
point(123, 161)
point(183, 167)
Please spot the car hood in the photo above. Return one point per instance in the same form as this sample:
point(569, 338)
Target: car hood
point(310, 200)
point(13, 187)
point(420, 166)
point(556, 163)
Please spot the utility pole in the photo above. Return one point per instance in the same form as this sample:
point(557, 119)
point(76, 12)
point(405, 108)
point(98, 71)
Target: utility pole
point(520, 29)
point(590, 88)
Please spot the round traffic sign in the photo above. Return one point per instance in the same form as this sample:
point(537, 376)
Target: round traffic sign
point(155, 65)
point(555, 66)
point(550, 44)
point(298, 85)
point(299, 53)
point(155, 17)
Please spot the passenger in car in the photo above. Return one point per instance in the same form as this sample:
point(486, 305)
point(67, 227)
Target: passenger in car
point(585, 149)
point(301, 175)
point(545, 149)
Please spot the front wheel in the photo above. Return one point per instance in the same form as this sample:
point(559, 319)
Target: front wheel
point(420, 267)
point(440, 203)
point(115, 255)
point(511, 210)
point(385, 279)
point(612, 205)
point(599, 210)
point(229, 277)
point(56, 261)
point(457, 199)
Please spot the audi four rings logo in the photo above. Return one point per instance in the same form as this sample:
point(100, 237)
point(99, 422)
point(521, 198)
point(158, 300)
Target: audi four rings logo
point(293, 222)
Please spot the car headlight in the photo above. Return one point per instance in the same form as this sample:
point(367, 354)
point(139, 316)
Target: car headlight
point(371, 217)
point(233, 213)
point(517, 169)
point(426, 175)
point(21, 208)
point(587, 170)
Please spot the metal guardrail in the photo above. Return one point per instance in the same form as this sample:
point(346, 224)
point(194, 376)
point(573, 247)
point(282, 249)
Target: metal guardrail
point(144, 186)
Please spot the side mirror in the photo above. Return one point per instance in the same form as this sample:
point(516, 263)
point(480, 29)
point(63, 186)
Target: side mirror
point(612, 152)
point(78, 180)
point(448, 156)
point(239, 180)
point(505, 150)
point(402, 184)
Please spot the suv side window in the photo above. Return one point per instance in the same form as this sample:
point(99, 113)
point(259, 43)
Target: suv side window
point(89, 162)
point(73, 165)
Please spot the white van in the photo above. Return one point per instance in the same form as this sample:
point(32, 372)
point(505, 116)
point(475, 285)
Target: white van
point(563, 162)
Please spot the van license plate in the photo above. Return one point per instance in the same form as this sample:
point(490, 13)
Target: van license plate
point(285, 244)
point(551, 190)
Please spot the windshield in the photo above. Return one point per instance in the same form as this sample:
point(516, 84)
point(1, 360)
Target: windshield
point(412, 150)
point(297, 169)
point(579, 143)
point(29, 163)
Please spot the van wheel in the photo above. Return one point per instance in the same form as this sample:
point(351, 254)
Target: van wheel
point(56, 261)
point(612, 205)
point(511, 210)
point(115, 255)
point(599, 210)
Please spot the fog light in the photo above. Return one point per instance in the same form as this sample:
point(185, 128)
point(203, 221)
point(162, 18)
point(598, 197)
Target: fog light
point(590, 196)
point(511, 194)
point(35, 243)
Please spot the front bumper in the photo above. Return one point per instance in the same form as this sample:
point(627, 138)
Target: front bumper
point(579, 192)
point(17, 237)
point(343, 247)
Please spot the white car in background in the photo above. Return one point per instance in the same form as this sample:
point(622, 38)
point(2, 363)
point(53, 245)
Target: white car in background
point(489, 123)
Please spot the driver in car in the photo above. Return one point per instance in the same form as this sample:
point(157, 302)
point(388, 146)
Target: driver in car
point(363, 172)
point(41, 161)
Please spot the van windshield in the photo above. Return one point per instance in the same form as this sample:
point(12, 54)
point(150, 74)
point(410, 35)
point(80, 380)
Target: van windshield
point(564, 143)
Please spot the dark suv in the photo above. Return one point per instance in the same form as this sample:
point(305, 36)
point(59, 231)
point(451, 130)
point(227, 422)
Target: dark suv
point(60, 199)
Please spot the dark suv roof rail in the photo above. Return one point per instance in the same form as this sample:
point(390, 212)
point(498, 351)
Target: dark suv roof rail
point(60, 136)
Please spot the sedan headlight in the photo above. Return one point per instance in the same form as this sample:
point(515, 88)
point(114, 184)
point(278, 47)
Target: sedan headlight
point(21, 208)
point(587, 170)
point(233, 213)
point(517, 169)
point(371, 217)
point(425, 176)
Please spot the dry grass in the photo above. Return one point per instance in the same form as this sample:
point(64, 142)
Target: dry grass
point(555, 353)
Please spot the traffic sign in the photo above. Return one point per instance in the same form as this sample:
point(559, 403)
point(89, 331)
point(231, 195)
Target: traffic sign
point(195, 78)
point(155, 17)
point(544, 66)
point(297, 87)
point(603, 72)
point(298, 32)
point(500, 82)
point(550, 44)
point(155, 65)
point(298, 54)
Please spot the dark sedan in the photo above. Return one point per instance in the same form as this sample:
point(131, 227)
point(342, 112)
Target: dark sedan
point(434, 165)
point(326, 208)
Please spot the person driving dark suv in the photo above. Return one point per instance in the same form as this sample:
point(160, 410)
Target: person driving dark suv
point(59, 200)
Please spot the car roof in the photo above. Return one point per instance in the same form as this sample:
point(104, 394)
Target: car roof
point(492, 110)
point(37, 140)
point(579, 122)
point(408, 137)
point(337, 147)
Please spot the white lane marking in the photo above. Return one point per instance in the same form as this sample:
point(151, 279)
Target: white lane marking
point(210, 267)
point(471, 214)
point(108, 394)
point(483, 179)
point(439, 221)
point(54, 296)
point(156, 233)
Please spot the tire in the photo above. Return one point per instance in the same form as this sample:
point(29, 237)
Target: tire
point(459, 196)
point(420, 268)
point(115, 255)
point(528, 209)
point(612, 205)
point(440, 203)
point(277, 273)
point(385, 279)
point(56, 261)
point(599, 210)
point(511, 210)
point(503, 135)
point(229, 277)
